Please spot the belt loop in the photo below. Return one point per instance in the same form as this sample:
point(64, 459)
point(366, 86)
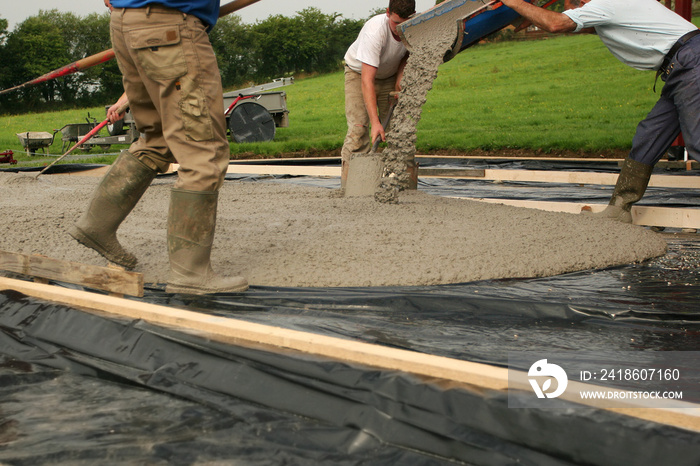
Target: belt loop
point(148, 11)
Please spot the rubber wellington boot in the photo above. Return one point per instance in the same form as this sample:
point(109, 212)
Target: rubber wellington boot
point(116, 196)
point(630, 187)
point(191, 224)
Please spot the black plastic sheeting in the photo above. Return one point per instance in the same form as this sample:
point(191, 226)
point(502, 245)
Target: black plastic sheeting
point(349, 415)
point(80, 388)
point(55, 170)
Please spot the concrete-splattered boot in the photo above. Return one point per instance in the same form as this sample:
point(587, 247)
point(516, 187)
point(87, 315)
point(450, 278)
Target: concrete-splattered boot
point(191, 224)
point(631, 186)
point(116, 196)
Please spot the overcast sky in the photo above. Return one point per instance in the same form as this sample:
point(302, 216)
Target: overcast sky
point(358, 9)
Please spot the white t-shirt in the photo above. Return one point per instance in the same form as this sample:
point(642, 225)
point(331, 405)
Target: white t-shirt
point(638, 32)
point(376, 47)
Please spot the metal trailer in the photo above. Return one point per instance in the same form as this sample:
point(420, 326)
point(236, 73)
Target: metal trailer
point(74, 132)
point(122, 132)
point(252, 115)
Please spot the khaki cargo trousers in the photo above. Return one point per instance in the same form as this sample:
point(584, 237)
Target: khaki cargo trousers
point(172, 80)
point(357, 138)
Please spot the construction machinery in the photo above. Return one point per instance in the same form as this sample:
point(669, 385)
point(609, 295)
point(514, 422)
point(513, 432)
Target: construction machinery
point(121, 132)
point(470, 21)
point(252, 115)
point(8, 157)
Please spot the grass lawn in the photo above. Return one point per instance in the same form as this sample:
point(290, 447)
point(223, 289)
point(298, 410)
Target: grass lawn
point(558, 94)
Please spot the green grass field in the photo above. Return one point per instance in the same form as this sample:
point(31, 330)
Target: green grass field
point(558, 94)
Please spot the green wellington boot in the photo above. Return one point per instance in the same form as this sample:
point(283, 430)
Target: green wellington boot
point(116, 196)
point(630, 187)
point(191, 224)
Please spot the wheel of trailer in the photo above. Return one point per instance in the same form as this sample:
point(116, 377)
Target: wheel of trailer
point(105, 147)
point(251, 122)
point(116, 129)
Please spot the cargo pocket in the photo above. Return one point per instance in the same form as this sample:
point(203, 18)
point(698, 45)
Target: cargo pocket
point(159, 51)
point(195, 112)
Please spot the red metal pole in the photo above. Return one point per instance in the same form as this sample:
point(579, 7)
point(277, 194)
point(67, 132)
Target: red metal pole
point(684, 8)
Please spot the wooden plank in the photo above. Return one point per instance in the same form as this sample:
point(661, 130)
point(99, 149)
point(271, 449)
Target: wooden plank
point(13, 262)
point(291, 160)
point(678, 164)
point(641, 215)
point(434, 368)
point(283, 170)
point(555, 176)
point(111, 279)
point(541, 176)
point(519, 159)
point(451, 172)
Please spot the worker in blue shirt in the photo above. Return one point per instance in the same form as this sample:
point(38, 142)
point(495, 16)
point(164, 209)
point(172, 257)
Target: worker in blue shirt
point(173, 86)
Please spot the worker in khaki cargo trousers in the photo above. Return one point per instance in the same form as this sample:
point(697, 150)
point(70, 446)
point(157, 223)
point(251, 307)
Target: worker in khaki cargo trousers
point(173, 86)
point(646, 35)
point(374, 66)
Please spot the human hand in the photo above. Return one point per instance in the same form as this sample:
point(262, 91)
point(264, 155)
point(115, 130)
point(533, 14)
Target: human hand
point(378, 132)
point(116, 111)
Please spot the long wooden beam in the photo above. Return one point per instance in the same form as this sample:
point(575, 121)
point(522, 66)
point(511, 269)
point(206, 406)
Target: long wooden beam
point(232, 331)
point(281, 170)
point(641, 215)
point(556, 176)
point(538, 176)
point(678, 164)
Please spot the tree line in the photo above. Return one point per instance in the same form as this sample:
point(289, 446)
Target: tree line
point(309, 42)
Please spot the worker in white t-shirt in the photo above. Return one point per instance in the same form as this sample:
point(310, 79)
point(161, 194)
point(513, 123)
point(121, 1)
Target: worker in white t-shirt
point(373, 69)
point(645, 35)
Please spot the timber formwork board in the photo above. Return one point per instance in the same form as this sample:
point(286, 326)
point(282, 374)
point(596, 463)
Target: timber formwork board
point(112, 279)
point(566, 177)
point(667, 217)
point(536, 176)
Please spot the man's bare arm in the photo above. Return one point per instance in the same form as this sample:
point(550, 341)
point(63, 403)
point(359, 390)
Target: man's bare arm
point(545, 19)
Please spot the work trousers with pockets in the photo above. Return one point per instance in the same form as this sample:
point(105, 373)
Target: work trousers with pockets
point(357, 138)
point(676, 111)
point(172, 80)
